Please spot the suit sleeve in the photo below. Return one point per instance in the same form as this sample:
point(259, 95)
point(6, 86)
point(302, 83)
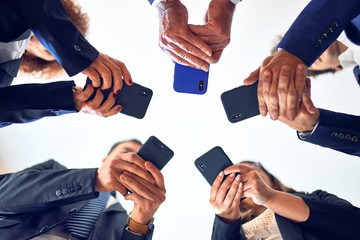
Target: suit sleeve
point(44, 186)
point(331, 217)
point(318, 25)
point(29, 102)
point(51, 24)
point(338, 131)
point(225, 231)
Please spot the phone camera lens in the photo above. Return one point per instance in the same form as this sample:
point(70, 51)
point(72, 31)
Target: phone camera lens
point(143, 92)
point(201, 166)
point(236, 116)
point(201, 85)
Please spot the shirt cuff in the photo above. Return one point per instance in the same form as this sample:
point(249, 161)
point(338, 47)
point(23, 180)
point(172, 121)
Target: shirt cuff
point(235, 1)
point(306, 134)
point(156, 2)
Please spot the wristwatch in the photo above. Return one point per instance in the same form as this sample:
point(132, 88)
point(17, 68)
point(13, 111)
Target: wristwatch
point(139, 228)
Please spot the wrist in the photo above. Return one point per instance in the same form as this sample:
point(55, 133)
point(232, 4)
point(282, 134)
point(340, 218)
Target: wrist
point(138, 227)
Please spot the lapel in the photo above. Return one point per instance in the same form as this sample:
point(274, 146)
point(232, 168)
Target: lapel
point(356, 72)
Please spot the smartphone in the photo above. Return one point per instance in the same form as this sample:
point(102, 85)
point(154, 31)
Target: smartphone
point(134, 99)
point(190, 80)
point(241, 103)
point(155, 151)
point(211, 163)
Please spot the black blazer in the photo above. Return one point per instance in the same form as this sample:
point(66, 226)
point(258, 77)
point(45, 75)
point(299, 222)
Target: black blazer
point(43, 196)
point(330, 218)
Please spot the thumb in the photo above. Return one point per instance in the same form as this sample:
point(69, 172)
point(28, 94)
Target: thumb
point(252, 78)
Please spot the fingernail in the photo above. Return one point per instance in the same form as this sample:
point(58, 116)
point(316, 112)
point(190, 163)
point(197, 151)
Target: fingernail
point(114, 95)
point(117, 92)
point(221, 174)
point(130, 81)
point(209, 53)
point(119, 108)
point(148, 164)
point(204, 68)
point(300, 67)
point(237, 177)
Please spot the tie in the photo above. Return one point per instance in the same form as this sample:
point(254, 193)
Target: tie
point(81, 223)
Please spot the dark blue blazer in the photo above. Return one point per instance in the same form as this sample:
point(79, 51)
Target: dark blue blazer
point(43, 196)
point(338, 131)
point(49, 21)
point(330, 218)
point(318, 25)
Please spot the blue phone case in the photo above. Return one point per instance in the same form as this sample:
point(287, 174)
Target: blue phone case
point(190, 80)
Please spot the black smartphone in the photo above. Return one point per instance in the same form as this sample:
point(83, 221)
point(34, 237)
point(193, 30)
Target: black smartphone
point(211, 163)
point(241, 103)
point(155, 151)
point(134, 99)
point(190, 80)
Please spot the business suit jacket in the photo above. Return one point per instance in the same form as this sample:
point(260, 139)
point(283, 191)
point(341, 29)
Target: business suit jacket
point(318, 25)
point(43, 196)
point(50, 23)
point(330, 218)
point(338, 131)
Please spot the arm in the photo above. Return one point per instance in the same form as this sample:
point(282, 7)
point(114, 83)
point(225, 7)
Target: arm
point(45, 186)
point(331, 217)
point(29, 102)
point(338, 131)
point(52, 26)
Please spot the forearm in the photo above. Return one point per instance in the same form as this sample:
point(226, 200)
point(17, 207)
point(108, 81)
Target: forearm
point(288, 206)
point(33, 190)
point(30, 102)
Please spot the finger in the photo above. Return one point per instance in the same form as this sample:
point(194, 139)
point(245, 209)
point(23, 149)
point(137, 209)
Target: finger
point(273, 102)
point(107, 105)
point(239, 195)
point(115, 68)
point(96, 101)
point(159, 178)
point(230, 196)
point(194, 45)
point(136, 187)
point(252, 78)
point(292, 101)
point(263, 94)
point(283, 88)
point(215, 186)
point(126, 76)
point(224, 187)
point(300, 76)
point(306, 97)
point(217, 55)
point(184, 58)
point(86, 93)
point(238, 168)
point(94, 76)
point(132, 163)
point(113, 111)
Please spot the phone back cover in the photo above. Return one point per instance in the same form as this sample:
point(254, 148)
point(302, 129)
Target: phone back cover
point(241, 103)
point(212, 162)
point(190, 80)
point(134, 99)
point(155, 151)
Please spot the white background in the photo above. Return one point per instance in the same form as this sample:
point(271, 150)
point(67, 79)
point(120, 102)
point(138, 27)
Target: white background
point(191, 124)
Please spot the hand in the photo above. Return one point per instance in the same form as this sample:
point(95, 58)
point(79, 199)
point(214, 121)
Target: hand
point(112, 167)
point(225, 197)
point(108, 69)
point(306, 119)
point(146, 195)
point(95, 106)
point(216, 31)
point(254, 186)
point(281, 84)
point(176, 40)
